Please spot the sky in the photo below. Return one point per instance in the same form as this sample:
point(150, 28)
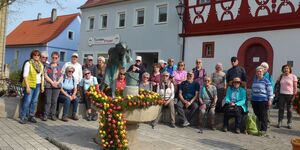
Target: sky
point(23, 10)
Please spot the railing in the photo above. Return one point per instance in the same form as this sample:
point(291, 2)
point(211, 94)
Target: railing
point(10, 87)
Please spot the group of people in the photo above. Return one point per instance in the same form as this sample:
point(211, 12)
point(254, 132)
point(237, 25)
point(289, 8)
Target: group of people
point(195, 90)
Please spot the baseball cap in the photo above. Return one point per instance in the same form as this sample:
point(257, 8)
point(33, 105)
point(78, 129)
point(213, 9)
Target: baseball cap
point(190, 72)
point(90, 57)
point(233, 59)
point(161, 61)
point(74, 55)
point(139, 58)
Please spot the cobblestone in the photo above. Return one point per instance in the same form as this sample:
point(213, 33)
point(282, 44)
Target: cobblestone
point(79, 135)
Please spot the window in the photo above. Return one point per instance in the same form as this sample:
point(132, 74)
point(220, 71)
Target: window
point(70, 35)
point(85, 57)
point(140, 16)
point(91, 21)
point(121, 19)
point(62, 56)
point(103, 21)
point(162, 13)
point(208, 50)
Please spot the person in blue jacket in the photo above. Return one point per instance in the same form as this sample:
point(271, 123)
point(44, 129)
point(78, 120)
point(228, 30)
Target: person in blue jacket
point(235, 104)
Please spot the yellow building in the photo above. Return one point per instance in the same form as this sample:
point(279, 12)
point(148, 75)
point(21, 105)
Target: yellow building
point(3, 17)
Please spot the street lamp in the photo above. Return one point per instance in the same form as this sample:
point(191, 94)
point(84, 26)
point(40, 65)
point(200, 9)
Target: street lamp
point(180, 8)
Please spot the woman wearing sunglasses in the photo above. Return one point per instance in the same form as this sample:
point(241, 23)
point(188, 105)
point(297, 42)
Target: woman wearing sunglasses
point(121, 81)
point(145, 84)
point(53, 77)
point(67, 94)
point(87, 81)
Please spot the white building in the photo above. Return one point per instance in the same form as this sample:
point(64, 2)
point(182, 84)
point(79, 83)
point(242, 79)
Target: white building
point(149, 27)
point(255, 31)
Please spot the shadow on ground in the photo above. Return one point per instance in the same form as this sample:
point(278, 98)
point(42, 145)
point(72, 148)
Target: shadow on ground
point(220, 144)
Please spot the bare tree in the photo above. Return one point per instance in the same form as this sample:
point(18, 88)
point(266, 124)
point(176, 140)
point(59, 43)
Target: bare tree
point(4, 3)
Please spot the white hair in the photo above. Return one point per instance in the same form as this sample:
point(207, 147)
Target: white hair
point(265, 65)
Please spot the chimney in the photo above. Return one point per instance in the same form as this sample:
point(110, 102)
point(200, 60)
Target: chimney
point(53, 15)
point(39, 16)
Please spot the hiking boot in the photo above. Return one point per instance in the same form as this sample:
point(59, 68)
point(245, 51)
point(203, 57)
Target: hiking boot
point(185, 124)
point(89, 117)
point(237, 131)
point(44, 118)
point(95, 117)
point(32, 119)
point(22, 121)
point(200, 131)
point(65, 119)
point(152, 125)
point(279, 124)
point(53, 118)
point(225, 129)
point(172, 125)
point(75, 116)
point(289, 126)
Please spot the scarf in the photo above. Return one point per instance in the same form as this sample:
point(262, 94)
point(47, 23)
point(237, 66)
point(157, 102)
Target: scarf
point(36, 65)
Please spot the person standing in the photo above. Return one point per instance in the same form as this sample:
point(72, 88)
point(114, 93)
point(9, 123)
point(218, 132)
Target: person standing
point(33, 82)
point(171, 67)
point(262, 96)
point(100, 69)
point(236, 71)
point(219, 80)
point(78, 68)
point(53, 76)
point(90, 66)
point(199, 73)
point(138, 67)
point(155, 77)
point(287, 94)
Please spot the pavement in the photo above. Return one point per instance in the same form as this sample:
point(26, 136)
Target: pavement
point(79, 135)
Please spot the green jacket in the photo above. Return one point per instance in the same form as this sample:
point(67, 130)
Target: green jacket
point(241, 97)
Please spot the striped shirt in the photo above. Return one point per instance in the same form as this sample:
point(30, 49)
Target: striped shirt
point(261, 90)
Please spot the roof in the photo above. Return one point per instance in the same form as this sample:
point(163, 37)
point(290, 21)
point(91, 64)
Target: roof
point(39, 32)
point(94, 3)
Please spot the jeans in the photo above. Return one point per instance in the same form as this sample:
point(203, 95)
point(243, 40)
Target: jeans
point(260, 109)
point(51, 101)
point(29, 102)
point(192, 109)
point(285, 99)
point(66, 101)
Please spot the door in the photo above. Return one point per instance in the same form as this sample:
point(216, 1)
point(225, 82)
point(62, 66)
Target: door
point(255, 55)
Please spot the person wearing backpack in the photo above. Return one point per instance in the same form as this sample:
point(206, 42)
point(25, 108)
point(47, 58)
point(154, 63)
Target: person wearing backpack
point(167, 92)
point(68, 93)
point(33, 83)
point(53, 76)
point(85, 83)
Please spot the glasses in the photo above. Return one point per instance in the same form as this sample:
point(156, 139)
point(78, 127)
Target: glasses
point(206, 80)
point(36, 55)
point(87, 73)
point(54, 57)
point(90, 59)
point(189, 75)
point(44, 57)
point(198, 62)
point(70, 71)
point(236, 82)
point(146, 77)
point(166, 75)
point(181, 64)
point(122, 74)
point(137, 60)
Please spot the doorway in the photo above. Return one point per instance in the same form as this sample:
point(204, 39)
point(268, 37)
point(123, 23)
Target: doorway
point(148, 59)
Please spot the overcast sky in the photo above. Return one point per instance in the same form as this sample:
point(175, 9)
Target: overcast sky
point(28, 10)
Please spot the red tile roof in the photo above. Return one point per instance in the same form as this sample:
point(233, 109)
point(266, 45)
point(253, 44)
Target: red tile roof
point(38, 32)
point(94, 3)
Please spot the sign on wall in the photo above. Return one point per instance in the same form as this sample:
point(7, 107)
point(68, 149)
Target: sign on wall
point(104, 40)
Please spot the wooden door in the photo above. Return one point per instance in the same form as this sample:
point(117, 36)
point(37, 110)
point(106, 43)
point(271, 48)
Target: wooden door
point(255, 55)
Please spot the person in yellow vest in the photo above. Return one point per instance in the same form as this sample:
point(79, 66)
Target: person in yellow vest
point(33, 83)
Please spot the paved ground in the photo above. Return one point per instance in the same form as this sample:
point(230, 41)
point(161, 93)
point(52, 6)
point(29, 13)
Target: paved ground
point(79, 135)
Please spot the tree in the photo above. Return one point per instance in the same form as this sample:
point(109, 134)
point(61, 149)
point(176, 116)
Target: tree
point(4, 3)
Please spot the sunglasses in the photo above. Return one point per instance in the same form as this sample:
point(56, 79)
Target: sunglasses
point(165, 75)
point(44, 57)
point(198, 62)
point(90, 59)
point(146, 77)
point(206, 80)
point(87, 73)
point(36, 55)
point(54, 57)
point(236, 82)
point(122, 74)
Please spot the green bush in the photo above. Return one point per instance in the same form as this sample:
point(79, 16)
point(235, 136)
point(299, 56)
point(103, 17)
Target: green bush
point(15, 76)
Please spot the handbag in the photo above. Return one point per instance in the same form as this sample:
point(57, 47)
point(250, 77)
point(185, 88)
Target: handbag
point(230, 110)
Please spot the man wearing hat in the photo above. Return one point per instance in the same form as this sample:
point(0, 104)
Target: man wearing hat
point(138, 67)
point(78, 69)
point(90, 66)
point(236, 71)
point(188, 97)
point(162, 64)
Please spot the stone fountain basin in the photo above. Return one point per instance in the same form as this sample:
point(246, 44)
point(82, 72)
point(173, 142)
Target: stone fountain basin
point(142, 115)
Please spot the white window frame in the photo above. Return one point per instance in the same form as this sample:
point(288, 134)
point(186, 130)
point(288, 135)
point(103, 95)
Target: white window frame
point(118, 19)
point(88, 23)
point(156, 13)
point(73, 33)
point(64, 60)
point(101, 21)
point(135, 18)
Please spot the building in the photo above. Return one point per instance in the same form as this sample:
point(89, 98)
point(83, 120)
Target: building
point(255, 31)
point(3, 16)
point(57, 33)
point(149, 27)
